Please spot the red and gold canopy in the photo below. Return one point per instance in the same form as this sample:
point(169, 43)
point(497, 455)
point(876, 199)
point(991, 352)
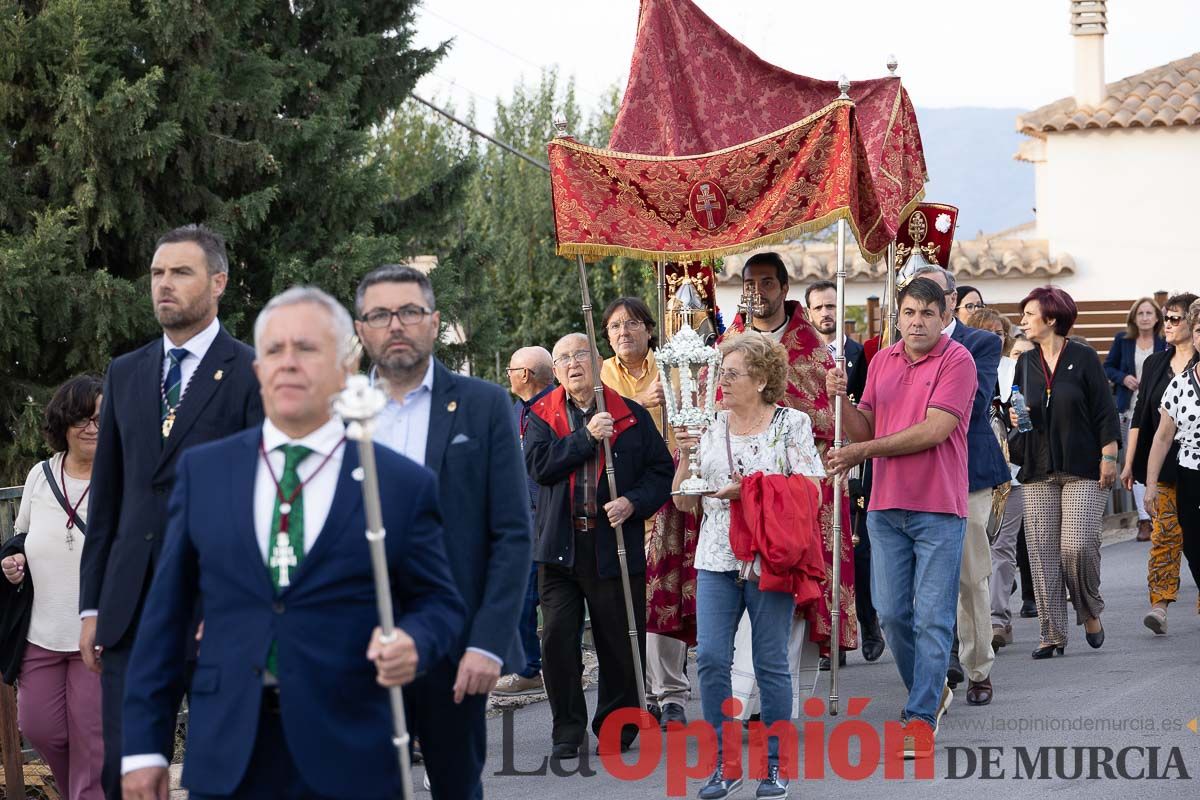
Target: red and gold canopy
point(715, 151)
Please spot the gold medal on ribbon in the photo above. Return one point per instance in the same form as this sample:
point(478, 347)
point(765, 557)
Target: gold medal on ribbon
point(168, 423)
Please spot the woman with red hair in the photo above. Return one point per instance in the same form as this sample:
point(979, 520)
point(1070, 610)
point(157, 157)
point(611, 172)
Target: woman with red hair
point(1068, 462)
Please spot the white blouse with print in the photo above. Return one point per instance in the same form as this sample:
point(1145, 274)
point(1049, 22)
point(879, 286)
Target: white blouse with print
point(786, 447)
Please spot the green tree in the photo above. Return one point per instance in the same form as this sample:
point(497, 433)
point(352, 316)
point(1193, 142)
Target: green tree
point(509, 211)
point(123, 118)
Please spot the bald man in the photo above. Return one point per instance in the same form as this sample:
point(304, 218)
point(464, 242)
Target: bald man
point(575, 534)
point(531, 376)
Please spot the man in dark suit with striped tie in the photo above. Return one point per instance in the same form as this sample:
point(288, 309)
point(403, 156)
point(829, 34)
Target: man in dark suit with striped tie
point(192, 385)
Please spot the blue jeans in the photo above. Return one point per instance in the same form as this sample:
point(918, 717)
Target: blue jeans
point(528, 628)
point(916, 557)
point(720, 601)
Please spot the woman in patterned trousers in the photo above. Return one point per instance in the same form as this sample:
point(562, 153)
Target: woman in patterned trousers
point(1068, 463)
point(1180, 424)
point(1166, 540)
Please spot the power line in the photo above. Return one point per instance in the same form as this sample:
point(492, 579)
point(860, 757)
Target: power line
point(505, 50)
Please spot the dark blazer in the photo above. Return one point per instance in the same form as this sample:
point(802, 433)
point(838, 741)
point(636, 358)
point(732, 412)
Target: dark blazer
point(856, 369)
point(986, 466)
point(1121, 362)
point(336, 718)
point(474, 450)
point(135, 467)
point(1156, 376)
point(16, 608)
point(1080, 419)
point(644, 470)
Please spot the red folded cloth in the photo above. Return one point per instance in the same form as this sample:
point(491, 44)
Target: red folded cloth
point(778, 518)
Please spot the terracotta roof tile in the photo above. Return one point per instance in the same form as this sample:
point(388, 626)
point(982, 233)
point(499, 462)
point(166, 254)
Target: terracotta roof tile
point(1163, 96)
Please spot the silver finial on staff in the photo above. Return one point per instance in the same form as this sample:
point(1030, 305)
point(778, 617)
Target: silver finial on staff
point(844, 88)
point(892, 64)
point(359, 405)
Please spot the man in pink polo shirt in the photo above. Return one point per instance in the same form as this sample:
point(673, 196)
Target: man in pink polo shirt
point(913, 420)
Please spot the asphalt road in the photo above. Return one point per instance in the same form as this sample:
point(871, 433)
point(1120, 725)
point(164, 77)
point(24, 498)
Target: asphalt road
point(1135, 696)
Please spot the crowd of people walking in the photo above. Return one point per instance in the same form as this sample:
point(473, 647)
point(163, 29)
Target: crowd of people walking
point(983, 454)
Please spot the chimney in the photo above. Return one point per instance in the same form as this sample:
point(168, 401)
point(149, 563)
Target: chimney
point(1089, 23)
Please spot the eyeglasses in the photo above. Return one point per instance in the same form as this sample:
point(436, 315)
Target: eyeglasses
point(728, 375)
point(82, 424)
point(1172, 319)
point(629, 325)
point(408, 315)
point(511, 370)
point(579, 357)
point(972, 307)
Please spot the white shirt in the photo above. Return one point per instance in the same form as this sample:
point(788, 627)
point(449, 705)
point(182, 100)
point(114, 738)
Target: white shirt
point(949, 329)
point(196, 346)
point(318, 498)
point(318, 494)
point(404, 427)
point(54, 620)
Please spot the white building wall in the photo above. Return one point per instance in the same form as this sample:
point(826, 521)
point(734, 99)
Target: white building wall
point(1125, 204)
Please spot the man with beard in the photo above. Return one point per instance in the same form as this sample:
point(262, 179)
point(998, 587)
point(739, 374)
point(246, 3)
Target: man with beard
point(821, 299)
point(194, 384)
point(463, 430)
point(808, 362)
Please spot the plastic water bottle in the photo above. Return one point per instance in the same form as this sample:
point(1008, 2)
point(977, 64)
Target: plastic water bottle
point(1024, 423)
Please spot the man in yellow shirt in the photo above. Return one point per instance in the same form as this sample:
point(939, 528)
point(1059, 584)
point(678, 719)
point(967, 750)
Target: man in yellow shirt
point(634, 374)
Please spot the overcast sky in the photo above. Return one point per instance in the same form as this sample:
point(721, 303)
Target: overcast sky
point(1007, 54)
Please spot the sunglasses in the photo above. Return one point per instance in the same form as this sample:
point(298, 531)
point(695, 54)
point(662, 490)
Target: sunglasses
point(1172, 319)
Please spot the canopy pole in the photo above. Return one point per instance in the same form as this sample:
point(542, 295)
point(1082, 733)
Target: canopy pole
point(661, 269)
point(835, 590)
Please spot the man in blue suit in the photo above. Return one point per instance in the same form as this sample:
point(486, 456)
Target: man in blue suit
point(267, 532)
point(191, 385)
point(463, 429)
point(986, 469)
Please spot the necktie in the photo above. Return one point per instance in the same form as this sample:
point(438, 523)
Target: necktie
point(172, 387)
point(286, 547)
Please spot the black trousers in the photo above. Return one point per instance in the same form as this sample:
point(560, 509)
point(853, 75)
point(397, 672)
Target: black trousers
point(1023, 566)
point(271, 773)
point(453, 735)
point(1187, 504)
point(563, 593)
point(867, 616)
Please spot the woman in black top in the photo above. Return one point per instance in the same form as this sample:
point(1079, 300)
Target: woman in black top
point(1068, 464)
point(1166, 540)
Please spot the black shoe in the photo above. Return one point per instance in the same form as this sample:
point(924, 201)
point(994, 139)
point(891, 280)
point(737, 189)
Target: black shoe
point(1095, 639)
point(773, 785)
point(872, 642)
point(718, 786)
point(672, 712)
point(565, 752)
point(656, 712)
point(954, 673)
point(824, 666)
point(1029, 609)
point(751, 719)
point(1049, 651)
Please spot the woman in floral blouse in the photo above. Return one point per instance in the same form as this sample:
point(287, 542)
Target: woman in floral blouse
point(757, 436)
